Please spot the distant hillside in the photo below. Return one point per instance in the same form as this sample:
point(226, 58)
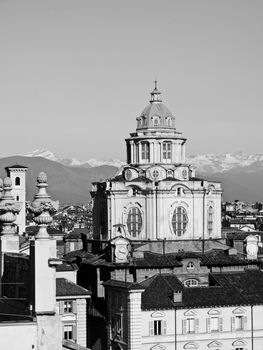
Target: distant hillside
point(243, 183)
point(67, 184)
point(73, 183)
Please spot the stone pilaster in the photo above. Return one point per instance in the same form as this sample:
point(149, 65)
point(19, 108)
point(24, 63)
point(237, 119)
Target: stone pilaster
point(134, 320)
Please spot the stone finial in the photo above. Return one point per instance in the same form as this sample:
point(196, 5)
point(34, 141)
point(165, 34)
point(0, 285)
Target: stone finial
point(42, 207)
point(9, 208)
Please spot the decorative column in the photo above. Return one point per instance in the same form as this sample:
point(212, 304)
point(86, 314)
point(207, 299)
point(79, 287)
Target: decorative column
point(9, 208)
point(42, 267)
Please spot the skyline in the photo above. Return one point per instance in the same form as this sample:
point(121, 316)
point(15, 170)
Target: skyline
point(75, 75)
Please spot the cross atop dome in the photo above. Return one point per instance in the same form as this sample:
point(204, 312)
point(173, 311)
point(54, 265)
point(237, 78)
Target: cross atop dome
point(155, 94)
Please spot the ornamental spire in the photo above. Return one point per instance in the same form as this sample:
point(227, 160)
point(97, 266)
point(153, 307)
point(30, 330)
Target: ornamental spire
point(42, 207)
point(155, 94)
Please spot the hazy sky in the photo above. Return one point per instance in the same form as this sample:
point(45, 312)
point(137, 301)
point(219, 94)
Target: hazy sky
point(75, 74)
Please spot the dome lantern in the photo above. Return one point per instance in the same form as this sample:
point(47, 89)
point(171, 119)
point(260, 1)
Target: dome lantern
point(155, 94)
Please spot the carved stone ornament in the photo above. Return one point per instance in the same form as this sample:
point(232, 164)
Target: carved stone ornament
point(9, 208)
point(42, 207)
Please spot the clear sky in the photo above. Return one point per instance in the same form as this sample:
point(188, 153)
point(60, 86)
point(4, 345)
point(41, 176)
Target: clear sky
point(74, 74)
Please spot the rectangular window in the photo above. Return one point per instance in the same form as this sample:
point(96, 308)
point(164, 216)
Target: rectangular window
point(214, 324)
point(239, 323)
point(68, 306)
point(167, 150)
point(190, 325)
point(68, 332)
point(158, 327)
point(145, 151)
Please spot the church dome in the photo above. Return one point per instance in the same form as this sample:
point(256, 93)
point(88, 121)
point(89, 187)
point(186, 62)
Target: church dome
point(156, 115)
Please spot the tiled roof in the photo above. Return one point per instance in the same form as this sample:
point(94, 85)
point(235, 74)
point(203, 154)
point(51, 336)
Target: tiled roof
point(122, 284)
point(156, 260)
point(65, 287)
point(160, 288)
point(211, 296)
point(226, 289)
point(158, 292)
point(249, 283)
point(218, 257)
point(71, 256)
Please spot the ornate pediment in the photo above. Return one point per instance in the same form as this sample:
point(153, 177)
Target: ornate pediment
point(157, 314)
point(191, 346)
point(239, 310)
point(214, 344)
point(239, 342)
point(158, 347)
point(213, 312)
point(190, 313)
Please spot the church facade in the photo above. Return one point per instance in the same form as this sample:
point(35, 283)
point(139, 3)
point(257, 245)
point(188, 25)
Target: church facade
point(156, 196)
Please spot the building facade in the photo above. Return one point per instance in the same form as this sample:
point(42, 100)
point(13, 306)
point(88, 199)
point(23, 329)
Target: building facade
point(156, 195)
point(160, 313)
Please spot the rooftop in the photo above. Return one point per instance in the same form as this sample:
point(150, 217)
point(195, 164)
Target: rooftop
point(65, 287)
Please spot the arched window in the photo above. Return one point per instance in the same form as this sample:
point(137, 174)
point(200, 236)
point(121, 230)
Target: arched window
point(145, 151)
point(167, 150)
point(179, 221)
point(134, 222)
point(17, 181)
point(210, 220)
point(191, 282)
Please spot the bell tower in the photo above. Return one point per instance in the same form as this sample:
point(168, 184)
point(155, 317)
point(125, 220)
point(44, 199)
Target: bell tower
point(17, 174)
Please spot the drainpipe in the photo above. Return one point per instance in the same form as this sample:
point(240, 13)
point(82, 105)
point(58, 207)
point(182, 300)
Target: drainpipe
point(156, 210)
point(175, 332)
point(203, 238)
point(252, 329)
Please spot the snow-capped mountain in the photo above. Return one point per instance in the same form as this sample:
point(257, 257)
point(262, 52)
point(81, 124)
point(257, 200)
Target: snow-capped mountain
point(219, 163)
point(73, 161)
point(204, 163)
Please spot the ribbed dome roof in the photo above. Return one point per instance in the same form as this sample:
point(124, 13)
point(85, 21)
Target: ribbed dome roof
point(156, 115)
point(158, 109)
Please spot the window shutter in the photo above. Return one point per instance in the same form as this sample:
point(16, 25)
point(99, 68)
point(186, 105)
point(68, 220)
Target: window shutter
point(74, 306)
point(61, 307)
point(184, 326)
point(196, 325)
point(244, 322)
point(220, 324)
point(208, 325)
point(74, 335)
point(151, 327)
point(232, 324)
point(164, 323)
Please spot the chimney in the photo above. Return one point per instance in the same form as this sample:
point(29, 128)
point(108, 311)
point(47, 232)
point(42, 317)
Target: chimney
point(177, 296)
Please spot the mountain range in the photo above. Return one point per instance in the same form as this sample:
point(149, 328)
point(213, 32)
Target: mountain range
point(70, 179)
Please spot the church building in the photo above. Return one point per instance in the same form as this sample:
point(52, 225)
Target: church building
point(156, 196)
